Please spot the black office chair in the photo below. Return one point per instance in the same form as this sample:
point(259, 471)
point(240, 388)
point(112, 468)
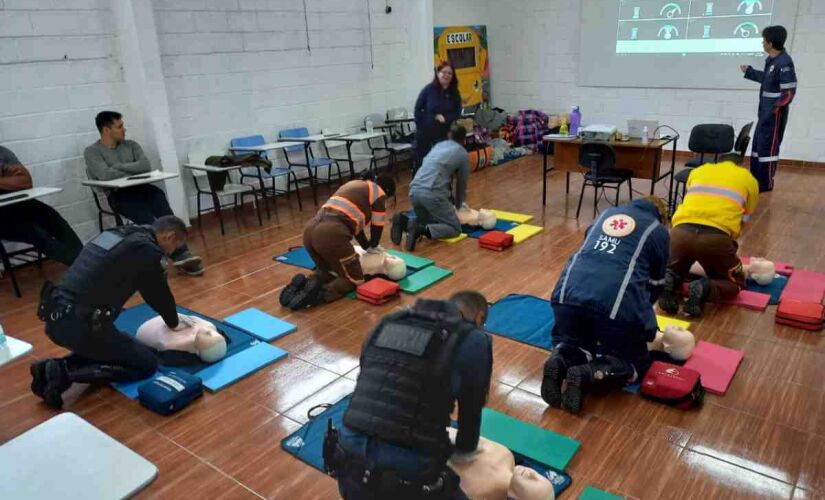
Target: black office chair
point(706, 139)
point(600, 160)
point(743, 140)
point(24, 256)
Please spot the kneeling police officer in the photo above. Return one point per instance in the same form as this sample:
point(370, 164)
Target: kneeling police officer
point(80, 310)
point(414, 366)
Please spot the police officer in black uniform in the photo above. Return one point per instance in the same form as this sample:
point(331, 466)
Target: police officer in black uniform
point(80, 310)
point(414, 366)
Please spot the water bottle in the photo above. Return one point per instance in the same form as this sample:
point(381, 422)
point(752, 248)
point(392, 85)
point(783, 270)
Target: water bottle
point(564, 129)
point(575, 120)
point(369, 125)
point(2, 335)
point(644, 135)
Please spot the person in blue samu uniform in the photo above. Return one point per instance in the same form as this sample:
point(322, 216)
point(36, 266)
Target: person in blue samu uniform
point(603, 303)
point(777, 91)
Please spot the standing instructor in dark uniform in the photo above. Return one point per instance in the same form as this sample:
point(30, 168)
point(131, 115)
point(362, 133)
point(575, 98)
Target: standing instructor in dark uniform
point(437, 107)
point(80, 310)
point(778, 88)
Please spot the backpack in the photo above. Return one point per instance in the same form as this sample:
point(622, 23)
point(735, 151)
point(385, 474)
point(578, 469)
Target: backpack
point(673, 385)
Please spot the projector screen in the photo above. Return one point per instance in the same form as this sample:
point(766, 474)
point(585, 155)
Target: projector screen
point(682, 43)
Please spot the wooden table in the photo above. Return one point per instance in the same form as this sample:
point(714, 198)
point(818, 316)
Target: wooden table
point(644, 160)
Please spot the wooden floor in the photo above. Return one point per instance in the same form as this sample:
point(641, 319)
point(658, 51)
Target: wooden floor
point(765, 438)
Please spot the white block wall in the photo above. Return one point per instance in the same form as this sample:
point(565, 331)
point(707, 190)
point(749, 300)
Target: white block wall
point(58, 68)
point(534, 47)
point(240, 67)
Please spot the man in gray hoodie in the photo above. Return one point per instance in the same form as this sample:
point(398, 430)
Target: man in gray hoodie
point(431, 193)
point(114, 157)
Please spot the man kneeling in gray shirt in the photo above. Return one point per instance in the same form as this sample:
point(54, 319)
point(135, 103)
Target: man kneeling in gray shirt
point(114, 157)
point(430, 192)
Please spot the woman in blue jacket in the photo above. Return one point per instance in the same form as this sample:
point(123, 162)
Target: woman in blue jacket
point(603, 303)
point(437, 107)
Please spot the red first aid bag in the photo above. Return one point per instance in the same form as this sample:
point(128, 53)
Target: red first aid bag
point(377, 291)
point(495, 240)
point(806, 315)
point(673, 385)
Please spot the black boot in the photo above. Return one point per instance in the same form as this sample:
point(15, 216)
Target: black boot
point(603, 373)
point(669, 300)
point(698, 292)
point(414, 232)
point(399, 226)
point(57, 381)
point(312, 294)
point(298, 282)
point(38, 372)
point(555, 370)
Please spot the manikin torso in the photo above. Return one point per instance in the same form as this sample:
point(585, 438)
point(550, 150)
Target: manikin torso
point(202, 338)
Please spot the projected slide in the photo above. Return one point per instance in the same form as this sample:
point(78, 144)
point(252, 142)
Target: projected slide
point(692, 27)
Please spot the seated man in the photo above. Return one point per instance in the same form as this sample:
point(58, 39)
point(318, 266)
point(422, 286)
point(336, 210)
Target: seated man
point(491, 473)
point(603, 304)
point(415, 365)
point(705, 228)
point(113, 157)
point(81, 309)
point(430, 192)
point(32, 221)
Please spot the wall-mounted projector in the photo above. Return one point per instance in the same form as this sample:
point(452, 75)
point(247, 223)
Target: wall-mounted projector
point(597, 132)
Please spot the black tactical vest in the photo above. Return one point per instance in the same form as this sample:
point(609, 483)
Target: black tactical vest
point(404, 394)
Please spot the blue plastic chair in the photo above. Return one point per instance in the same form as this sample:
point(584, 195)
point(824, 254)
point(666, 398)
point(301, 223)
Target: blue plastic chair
point(275, 172)
point(314, 163)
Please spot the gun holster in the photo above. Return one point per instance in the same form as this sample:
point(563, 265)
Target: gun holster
point(330, 445)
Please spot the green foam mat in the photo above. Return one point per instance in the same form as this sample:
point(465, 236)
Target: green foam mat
point(423, 279)
point(413, 261)
point(591, 493)
point(533, 442)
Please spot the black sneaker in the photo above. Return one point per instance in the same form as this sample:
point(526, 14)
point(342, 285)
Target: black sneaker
point(555, 371)
point(298, 282)
point(669, 300)
point(38, 372)
point(578, 383)
point(414, 231)
point(698, 291)
point(57, 381)
point(399, 225)
point(312, 294)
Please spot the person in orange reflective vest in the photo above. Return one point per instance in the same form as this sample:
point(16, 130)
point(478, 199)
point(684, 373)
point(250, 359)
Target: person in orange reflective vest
point(328, 240)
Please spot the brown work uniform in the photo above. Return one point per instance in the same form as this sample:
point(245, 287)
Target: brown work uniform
point(328, 237)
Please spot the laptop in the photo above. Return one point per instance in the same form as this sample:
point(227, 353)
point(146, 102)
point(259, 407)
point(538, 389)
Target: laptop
point(635, 127)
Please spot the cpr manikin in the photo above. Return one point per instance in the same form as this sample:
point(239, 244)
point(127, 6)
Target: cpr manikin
point(381, 262)
point(760, 270)
point(197, 336)
point(675, 341)
point(491, 474)
point(486, 219)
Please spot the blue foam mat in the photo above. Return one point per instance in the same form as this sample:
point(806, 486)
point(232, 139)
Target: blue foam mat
point(774, 289)
point(523, 318)
point(477, 232)
point(244, 354)
point(298, 257)
point(306, 444)
point(260, 324)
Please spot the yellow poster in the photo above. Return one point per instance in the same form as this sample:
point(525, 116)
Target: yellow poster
point(465, 47)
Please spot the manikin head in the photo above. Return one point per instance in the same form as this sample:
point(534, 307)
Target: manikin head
point(761, 270)
point(472, 305)
point(170, 232)
point(111, 128)
point(487, 219)
point(210, 345)
point(527, 484)
point(678, 342)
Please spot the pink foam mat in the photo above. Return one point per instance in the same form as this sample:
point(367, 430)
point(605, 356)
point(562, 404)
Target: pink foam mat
point(750, 300)
point(716, 364)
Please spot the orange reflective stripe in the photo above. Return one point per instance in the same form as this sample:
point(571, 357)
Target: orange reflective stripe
point(379, 218)
point(349, 209)
point(375, 192)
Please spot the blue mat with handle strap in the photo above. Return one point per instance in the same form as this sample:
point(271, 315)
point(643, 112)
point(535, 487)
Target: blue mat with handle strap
point(307, 444)
point(298, 257)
